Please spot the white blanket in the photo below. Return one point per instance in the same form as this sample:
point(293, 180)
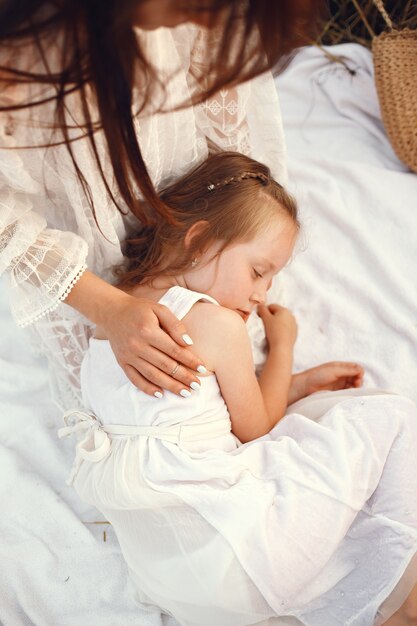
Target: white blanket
point(352, 290)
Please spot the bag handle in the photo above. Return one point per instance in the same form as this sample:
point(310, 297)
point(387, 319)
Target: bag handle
point(380, 6)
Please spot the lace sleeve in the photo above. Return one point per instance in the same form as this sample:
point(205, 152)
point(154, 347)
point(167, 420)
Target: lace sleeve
point(246, 118)
point(43, 264)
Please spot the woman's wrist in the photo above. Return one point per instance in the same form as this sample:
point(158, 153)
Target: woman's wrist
point(93, 297)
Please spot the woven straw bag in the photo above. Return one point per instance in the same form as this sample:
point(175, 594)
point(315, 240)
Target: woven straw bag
point(395, 63)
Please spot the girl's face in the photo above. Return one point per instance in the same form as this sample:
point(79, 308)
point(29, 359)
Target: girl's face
point(241, 275)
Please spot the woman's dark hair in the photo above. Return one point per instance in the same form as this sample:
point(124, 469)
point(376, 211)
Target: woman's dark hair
point(233, 198)
point(100, 51)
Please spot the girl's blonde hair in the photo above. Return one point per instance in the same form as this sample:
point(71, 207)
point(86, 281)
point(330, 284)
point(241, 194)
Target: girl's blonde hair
point(233, 195)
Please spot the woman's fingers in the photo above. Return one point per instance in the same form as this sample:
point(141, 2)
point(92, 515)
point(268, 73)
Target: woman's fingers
point(173, 326)
point(163, 343)
point(152, 370)
point(170, 383)
point(154, 381)
point(157, 362)
point(140, 382)
point(151, 357)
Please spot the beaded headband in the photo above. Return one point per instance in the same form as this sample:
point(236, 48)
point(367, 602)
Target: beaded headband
point(236, 179)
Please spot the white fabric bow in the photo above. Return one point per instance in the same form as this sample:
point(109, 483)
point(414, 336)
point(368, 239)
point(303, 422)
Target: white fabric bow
point(93, 447)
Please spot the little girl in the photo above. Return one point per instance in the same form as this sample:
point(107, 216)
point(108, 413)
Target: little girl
point(230, 507)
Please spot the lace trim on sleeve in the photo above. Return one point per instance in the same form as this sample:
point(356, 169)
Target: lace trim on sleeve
point(23, 323)
point(43, 264)
point(44, 275)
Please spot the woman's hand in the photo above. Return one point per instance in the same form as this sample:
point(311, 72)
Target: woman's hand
point(149, 342)
point(280, 325)
point(329, 376)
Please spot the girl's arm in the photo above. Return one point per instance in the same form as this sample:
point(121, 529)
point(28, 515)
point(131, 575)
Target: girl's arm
point(146, 337)
point(221, 338)
point(281, 333)
point(329, 376)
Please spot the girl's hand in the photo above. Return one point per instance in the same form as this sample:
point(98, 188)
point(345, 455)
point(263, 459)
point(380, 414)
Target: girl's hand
point(329, 376)
point(280, 325)
point(149, 345)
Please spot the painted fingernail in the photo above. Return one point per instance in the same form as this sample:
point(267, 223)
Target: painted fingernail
point(185, 393)
point(187, 339)
point(195, 386)
point(158, 394)
point(201, 369)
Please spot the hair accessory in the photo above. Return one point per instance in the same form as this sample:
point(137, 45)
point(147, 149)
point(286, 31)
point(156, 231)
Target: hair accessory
point(237, 179)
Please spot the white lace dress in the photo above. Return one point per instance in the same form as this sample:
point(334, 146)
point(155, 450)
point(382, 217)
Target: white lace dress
point(47, 232)
point(305, 525)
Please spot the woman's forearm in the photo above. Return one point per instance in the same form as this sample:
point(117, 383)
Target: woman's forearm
point(275, 381)
point(92, 297)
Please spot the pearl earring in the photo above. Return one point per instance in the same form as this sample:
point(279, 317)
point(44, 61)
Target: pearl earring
point(194, 262)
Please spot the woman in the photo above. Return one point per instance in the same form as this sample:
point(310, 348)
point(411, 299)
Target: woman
point(99, 108)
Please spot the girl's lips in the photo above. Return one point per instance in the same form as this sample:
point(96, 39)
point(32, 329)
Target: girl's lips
point(243, 314)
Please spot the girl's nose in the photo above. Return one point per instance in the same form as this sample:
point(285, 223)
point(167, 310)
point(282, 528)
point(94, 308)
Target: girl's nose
point(259, 297)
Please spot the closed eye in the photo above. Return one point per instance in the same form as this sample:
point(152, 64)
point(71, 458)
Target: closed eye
point(257, 274)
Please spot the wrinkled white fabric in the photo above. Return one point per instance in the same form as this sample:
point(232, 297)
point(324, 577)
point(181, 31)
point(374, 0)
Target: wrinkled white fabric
point(47, 232)
point(315, 523)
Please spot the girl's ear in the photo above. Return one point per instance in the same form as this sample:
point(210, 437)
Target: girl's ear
point(194, 231)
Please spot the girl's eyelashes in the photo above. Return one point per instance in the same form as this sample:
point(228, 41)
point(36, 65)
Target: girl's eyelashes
point(257, 274)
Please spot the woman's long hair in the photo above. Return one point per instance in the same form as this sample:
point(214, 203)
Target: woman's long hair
point(100, 52)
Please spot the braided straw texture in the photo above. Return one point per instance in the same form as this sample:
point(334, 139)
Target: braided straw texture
point(395, 63)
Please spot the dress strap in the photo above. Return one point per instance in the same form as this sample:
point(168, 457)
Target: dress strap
point(180, 300)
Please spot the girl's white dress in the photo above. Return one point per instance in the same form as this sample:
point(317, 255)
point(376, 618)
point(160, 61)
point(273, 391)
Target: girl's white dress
point(314, 523)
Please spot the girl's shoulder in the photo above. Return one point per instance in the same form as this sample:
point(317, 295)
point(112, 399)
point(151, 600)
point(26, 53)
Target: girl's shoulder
point(214, 329)
point(207, 312)
point(202, 314)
